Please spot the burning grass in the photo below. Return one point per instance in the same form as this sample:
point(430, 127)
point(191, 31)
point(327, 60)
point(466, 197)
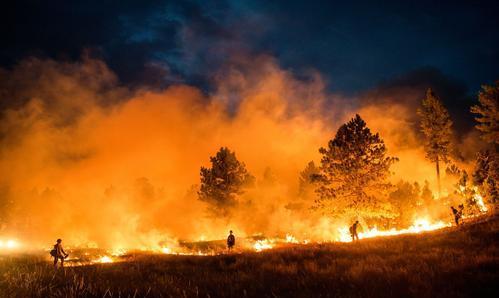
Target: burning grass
point(451, 262)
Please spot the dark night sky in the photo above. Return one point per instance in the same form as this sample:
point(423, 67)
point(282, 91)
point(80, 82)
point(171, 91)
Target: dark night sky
point(354, 45)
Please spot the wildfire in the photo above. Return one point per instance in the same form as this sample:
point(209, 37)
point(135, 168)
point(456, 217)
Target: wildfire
point(291, 239)
point(105, 259)
point(419, 225)
point(475, 196)
point(9, 244)
point(118, 252)
point(479, 200)
point(89, 256)
point(263, 244)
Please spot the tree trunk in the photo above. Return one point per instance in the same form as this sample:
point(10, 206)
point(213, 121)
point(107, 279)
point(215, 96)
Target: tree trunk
point(438, 179)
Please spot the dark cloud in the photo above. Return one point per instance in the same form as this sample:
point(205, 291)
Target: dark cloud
point(410, 89)
point(358, 44)
point(62, 30)
point(354, 45)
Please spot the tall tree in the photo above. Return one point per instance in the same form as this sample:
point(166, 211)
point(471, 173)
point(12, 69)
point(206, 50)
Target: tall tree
point(404, 199)
point(426, 194)
point(354, 173)
point(468, 193)
point(488, 113)
point(436, 125)
point(224, 182)
point(308, 178)
point(486, 174)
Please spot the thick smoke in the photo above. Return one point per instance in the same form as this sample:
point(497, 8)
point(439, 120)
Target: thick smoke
point(88, 160)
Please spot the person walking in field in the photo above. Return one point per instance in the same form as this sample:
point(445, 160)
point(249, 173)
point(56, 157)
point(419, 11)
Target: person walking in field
point(58, 253)
point(353, 231)
point(231, 241)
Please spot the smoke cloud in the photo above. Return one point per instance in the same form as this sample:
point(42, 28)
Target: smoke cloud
point(86, 159)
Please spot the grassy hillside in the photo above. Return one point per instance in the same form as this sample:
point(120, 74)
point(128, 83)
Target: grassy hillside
point(453, 262)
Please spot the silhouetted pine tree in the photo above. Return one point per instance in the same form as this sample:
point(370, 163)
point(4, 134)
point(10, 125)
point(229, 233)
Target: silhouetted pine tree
point(436, 125)
point(466, 191)
point(223, 182)
point(426, 194)
point(488, 113)
point(354, 171)
point(486, 174)
point(308, 178)
point(404, 200)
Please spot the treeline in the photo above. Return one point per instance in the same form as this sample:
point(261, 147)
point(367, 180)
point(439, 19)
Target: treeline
point(352, 179)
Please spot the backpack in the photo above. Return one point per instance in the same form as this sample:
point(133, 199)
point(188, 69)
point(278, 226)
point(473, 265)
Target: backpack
point(351, 230)
point(53, 252)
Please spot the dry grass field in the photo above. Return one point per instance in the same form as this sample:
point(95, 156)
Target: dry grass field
point(454, 262)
